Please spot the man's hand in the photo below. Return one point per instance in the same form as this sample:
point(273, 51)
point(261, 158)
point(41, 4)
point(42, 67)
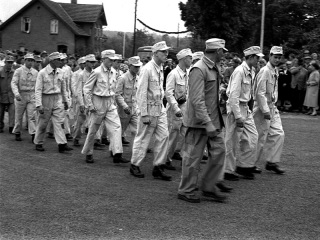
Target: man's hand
point(65, 106)
point(82, 108)
point(267, 116)
point(127, 110)
point(179, 113)
point(146, 120)
point(181, 100)
point(211, 130)
point(92, 109)
point(240, 122)
point(18, 98)
point(40, 109)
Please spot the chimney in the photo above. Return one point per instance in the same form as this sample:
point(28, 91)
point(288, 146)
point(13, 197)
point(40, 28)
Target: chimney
point(74, 1)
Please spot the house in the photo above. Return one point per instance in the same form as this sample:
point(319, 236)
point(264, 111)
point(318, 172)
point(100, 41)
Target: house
point(51, 26)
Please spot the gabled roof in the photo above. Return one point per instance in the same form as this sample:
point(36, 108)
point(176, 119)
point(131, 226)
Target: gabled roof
point(84, 12)
point(61, 10)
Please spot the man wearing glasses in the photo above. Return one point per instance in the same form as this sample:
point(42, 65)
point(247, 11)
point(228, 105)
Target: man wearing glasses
point(152, 118)
point(99, 92)
point(51, 101)
point(23, 85)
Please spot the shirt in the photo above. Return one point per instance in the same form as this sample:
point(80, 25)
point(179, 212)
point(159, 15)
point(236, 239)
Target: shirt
point(150, 91)
point(24, 80)
point(102, 82)
point(176, 87)
point(240, 87)
point(50, 82)
point(265, 90)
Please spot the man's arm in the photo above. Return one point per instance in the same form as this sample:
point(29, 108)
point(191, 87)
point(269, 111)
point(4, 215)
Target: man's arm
point(170, 87)
point(235, 91)
point(142, 92)
point(260, 92)
point(87, 89)
point(15, 82)
point(119, 93)
point(38, 89)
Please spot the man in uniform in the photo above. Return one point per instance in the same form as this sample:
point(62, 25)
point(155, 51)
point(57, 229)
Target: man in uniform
point(266, 115)
point(126, 96)
point(176, 95)
point(204, 124)
point(152, 118)
point(240, 127)
point(99, 92)
point(6, 94)
point(23, 85)
point(51, 102)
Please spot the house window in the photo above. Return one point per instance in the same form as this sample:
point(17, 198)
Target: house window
point(54, 24)
point(25, 24)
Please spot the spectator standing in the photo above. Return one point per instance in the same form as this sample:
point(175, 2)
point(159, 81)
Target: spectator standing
point(311, 99)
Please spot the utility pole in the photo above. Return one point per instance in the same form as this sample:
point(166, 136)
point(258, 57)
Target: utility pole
point(124, 45)
point(178, 38)
point(134, 31)
point(262, 23)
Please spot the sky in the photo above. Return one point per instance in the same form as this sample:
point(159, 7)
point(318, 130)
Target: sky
point(159, 14)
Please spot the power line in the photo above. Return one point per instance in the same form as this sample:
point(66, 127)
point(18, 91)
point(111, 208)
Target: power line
point(159, 31)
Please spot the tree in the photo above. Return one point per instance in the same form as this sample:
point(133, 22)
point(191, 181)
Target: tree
point(143, 38)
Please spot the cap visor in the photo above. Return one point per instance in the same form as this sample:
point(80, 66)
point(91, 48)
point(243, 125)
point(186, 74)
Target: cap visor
point(166, 48)
point(260, 54)
point(137, 65)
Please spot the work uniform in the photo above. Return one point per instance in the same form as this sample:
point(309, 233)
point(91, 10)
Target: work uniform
point(202, 107)
point(126, 97)
point(69, 112)
point(271, 134)
point(150, 94)
point(6, 96)
point(23, 85)
point(239, 93)
point(99, 92)
point(50, 92)
point(176, 88)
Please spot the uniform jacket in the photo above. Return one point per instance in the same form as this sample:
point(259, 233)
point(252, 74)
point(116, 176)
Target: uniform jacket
point(83, 78)
point(150, 91)
point(49, 82)
point(24, 80)
point(6, 94)
point(75, 83)
point(203, 100)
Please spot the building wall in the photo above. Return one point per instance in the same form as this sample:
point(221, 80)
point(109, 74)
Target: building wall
point(39, 37)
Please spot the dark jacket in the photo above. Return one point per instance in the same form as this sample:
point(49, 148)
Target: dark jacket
point(6, 94)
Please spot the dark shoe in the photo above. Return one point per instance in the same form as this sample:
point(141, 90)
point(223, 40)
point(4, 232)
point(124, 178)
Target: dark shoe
point(215, 196)
point(18, 137)
point(89, 159)
point(1, 130)
point(135, 171)
point(191, 198)
point(63, 148)
point(158, 173)
point(205, 157)
point(117, 158)
point(76, 143)
point(246, 173)
point(256, 169)
point(105, 141)
point(231, 177)
point(50, 135)
point(86, 131)
point(125, 141)
point(10, 130)
point(98, 145)
point(274, 167)
point(177, 156)
point(32, 137)
point(149, 150)
point(68, 148)
point(169, 166)
point(224, 188)
point(39, 147)
point(69, 137)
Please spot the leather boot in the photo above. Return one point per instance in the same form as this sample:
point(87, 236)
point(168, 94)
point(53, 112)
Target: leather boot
point(158, 173)
point(39, 147)
point(18, 137)
point(89, 159)
point(63, 148)
point(135, 171)
point(117, 158)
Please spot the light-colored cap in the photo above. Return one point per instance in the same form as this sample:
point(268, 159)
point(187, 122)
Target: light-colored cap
point(119, 57)
point(254, 50)
point(215, 43)
point(29, 56)
point(37, 58)
point(307, 57)
point(90, 58)
point(53, 56)
point(184, 53)
point(197, 55)
point(9, 58)
point(276, 50)
point(81, 60)
point(160, 46)
point(111, 54)
point(63, 56)
point(135, 61)
point(288, 62)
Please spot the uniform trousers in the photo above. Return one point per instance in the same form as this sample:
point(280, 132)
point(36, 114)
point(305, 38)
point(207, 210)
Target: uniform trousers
point(129, 122)
point(105, 111)
point(159, 128)
point(175, 135)
point(271, 135)
point(80, 121)
point(11, 113)
point(27, 104)
point(242, 140)
point(54, 109)
point(192, 152)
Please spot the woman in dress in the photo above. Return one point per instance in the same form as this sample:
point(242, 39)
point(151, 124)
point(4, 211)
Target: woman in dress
point(311, 99)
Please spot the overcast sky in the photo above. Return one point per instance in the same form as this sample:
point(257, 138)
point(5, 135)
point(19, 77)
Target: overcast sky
point(158, 14)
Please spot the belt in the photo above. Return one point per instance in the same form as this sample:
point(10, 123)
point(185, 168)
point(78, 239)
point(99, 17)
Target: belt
point(155, 103)
point(51, 93)
point(243, 103)
point(103, 96)
point(27, 90)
